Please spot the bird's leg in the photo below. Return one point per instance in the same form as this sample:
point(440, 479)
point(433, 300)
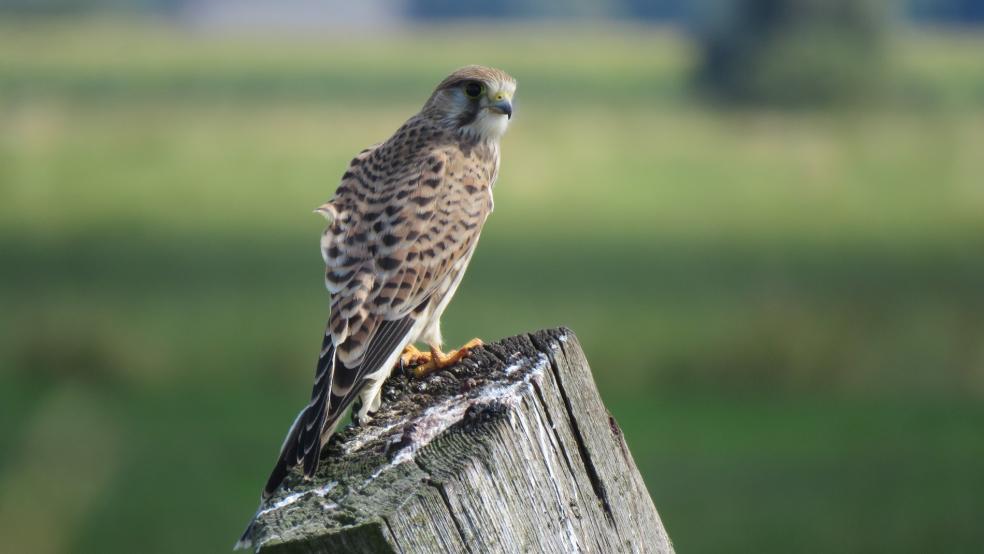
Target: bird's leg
point(439, 360)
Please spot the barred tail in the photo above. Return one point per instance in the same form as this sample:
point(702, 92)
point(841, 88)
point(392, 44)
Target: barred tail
point(303, 442)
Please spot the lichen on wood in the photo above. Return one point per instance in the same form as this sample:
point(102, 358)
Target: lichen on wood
point(510, 450)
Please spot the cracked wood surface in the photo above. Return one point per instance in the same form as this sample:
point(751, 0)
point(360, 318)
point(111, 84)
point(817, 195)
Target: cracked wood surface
point(511, 450)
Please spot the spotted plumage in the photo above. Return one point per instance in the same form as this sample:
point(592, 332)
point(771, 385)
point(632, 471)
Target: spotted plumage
point(403, 225)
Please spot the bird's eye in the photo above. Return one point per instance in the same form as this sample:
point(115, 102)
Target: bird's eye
point(474, 89)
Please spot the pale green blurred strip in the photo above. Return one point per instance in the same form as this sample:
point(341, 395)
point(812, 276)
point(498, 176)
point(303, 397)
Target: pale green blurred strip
point(620, 173)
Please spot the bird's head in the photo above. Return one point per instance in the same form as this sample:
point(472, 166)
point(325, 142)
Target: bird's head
point(474, 100)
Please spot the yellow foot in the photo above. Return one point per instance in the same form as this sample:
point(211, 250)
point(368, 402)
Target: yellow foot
point(439, 360)
point(411, 356)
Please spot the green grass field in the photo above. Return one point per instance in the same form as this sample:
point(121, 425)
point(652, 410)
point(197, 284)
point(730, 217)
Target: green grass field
point(784, 310)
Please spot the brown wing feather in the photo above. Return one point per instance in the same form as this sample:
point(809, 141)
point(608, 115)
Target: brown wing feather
point(447, 210)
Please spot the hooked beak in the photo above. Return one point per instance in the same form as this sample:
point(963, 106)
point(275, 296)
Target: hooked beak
point(503, 107)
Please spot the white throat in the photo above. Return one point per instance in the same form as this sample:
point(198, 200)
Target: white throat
point(487, 127)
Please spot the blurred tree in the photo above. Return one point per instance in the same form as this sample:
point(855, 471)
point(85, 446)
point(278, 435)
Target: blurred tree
point(948, 11)
point(792, 52)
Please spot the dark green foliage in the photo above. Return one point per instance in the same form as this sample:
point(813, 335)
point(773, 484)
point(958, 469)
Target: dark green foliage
point(792, 52)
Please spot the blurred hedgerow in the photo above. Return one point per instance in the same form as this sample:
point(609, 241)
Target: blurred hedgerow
point(792, 52)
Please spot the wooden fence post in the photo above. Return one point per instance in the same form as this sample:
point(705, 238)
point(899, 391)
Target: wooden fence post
point(510, 451)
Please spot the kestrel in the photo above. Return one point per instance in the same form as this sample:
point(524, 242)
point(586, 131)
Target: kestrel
point(402, 226)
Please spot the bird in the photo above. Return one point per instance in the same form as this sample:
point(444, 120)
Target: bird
point(402, 226)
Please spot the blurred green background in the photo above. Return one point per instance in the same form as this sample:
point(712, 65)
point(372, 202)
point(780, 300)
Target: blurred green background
point(779, 282)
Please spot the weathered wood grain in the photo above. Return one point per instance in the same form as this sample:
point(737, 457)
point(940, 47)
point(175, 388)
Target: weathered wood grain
point(510, 451)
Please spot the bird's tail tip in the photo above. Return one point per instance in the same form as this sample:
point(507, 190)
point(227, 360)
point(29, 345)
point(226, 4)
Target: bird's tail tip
point(245, 541)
